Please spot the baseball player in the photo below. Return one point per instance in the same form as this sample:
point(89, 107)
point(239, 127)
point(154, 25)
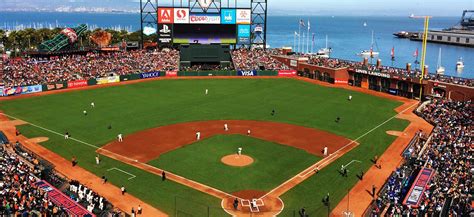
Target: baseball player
point(248, 132)
point(198, 135)
point(92, 104)
point(239, 151)
point(325, 151)
point(85, 112)
point(350, 98)
point(66, 135)
point(226, 128)
point(119, 137)
point(97, 160)
point(207, 91)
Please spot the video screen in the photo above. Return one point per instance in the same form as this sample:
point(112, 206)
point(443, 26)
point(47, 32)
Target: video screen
point(204, 34)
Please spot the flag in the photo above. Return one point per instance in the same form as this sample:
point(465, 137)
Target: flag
point(392, 53)
point(309, 26)
point(416, 53)
point(302, 23)
point(296, 34)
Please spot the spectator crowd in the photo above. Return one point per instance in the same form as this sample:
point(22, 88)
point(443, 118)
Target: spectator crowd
point(31, 71)
point(257, 59)
point(449, 154)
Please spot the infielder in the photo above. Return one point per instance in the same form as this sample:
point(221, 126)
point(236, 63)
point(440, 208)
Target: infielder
point(226, 128)
point(198, 135)
point(248, 132)
point(92, 104)
point(97, 160)
point(119, 137)
point(239, 151)
point(325, 151)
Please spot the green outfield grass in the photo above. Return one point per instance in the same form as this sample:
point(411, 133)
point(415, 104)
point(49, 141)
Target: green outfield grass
point(202, 160)
point(140, 106)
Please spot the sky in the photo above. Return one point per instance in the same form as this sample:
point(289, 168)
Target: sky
point(282, 7)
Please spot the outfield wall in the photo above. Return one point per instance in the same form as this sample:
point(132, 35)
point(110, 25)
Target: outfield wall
point(11, 91)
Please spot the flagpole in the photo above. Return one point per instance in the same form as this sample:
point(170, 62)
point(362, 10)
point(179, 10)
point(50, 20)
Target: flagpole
point(302, 43)
point(312, 44)
point(299, 37)
point(307, 39)
point(294, 42)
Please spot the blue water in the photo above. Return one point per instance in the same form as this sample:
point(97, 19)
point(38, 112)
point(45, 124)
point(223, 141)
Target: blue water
point(347, 35)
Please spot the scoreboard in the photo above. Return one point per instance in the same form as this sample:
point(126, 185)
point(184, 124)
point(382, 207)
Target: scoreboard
point(225, 26)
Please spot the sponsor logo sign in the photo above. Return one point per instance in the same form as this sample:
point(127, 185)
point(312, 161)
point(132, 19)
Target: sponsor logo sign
point(338, 81)
point(147, 30)
point(60, 199)
point(243, 34)
point(378, 74)
point(78, 83)
point(204, 19)
point(287, 73)
point(171, 73)
point(54, 86)
point(244, 16)
point(107, 80)
point(165, 31)
point(417, 190)
point(165, 15)
point(181, 15)
point(294, 63)
point(32, 89)
point(149, 75)
point(247, 73)
point(228, 16)
point(70, 34)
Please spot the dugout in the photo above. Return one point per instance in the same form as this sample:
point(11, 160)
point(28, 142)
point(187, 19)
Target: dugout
point(205, 54)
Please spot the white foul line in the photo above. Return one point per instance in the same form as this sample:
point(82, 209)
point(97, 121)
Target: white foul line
point(115, 168)
point(345, 146)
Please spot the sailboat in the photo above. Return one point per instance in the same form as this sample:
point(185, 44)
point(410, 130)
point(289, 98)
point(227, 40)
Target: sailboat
point(324, 52)
point(440, 69)
point(370, 53)
point(459, 65)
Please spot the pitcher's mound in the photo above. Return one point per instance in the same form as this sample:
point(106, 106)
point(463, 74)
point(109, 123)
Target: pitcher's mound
point(236, 160)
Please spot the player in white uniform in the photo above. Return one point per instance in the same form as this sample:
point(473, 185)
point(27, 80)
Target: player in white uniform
point(85, 112)
point(248, 132)
point(198, 135)
point(207, 91)
point(119, 137)
point(325, 151)
point(239, 151)
point(350, 98)
point(92, 104)
point(226, 128)
point(97, 160)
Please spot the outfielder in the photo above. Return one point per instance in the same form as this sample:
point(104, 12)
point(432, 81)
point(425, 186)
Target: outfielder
point(85, 112)
point(350, 98)
point(207, 91)
point(92, 104)
point(119, 137)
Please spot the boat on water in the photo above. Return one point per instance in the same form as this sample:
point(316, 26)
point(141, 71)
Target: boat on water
point(440, 69)
point(459, 65)
point(370, 53)
point(324, 52)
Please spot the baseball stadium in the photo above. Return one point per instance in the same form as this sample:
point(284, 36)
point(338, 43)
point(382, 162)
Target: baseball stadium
point(199, 117)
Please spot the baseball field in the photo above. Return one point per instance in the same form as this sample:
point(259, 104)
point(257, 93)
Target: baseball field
point(159, 120)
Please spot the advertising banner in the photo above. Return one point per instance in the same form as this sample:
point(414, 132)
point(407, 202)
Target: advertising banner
point(228, 16)
point(247, 73)
point(287, 73)
point(149, 75)
point(243, 34)
point(32, 89)
point(244, 16)
point(294, 63)
point(171, 73)
point(165, 15)
point(204, 19)
point(75, 84)
point(417, 190)
point(54, 87)
point(8, 91)
point(107, 80)
point(165, 33)
point(61, 200)
point(379, 74)
point(181, 15)
point(339, 81)
point(1, 90)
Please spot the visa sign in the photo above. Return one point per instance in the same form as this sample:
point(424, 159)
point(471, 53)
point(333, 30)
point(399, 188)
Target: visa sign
point(228, 16)
point(247, 73)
